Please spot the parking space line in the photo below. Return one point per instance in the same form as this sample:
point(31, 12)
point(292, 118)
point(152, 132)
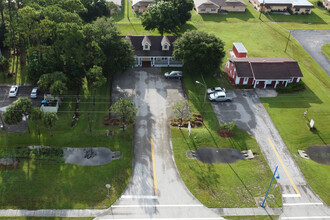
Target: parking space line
point(283, 166)
point(154, 166)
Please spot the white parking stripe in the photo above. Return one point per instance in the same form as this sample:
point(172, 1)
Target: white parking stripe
point(291, 195)
point(156, 205)
point(138, 197)
point(296, 204)
point(307, 217)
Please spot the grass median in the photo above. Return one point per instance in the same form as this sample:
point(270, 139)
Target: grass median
point(41, 184)
point(222, 184)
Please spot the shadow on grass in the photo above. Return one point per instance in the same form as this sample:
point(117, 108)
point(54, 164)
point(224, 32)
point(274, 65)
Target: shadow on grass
point(293, 100)
point(306, 18)
point(244, 16)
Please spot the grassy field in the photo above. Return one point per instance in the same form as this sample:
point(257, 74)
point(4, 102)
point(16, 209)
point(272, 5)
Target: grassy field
point(46, 184)
point(326, 49)
point(268, 39)
point(220, 185)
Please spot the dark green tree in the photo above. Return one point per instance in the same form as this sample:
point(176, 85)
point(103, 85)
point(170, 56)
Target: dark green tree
point(184, 8)
point(163, 16)
point(36, 115)
point(199, 51)
point(95, 9)
point(95, 79)
point(49, 119)
point(125, 109)
point(11, 116)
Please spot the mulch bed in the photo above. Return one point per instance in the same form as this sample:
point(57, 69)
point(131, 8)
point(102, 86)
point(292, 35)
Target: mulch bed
point(226, 134)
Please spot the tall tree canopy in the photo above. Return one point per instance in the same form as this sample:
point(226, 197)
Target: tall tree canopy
point(162, 16)
point(199, 51)
point(184, 8)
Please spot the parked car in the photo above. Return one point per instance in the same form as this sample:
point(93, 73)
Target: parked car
point(215, 89)
point(219, 97)
point(34, 93)
point(173, 75)
point(13, 91)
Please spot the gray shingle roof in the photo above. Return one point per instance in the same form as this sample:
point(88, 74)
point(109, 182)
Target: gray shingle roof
point(267, 68)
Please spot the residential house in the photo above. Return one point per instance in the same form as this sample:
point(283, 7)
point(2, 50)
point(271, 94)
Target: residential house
point(296, 6)
point(217, 6)
point(154, 51)
point(140, 6)
point(263, 72)
point(326, 4)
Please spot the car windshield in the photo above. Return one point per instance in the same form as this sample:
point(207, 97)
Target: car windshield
point(12, 91)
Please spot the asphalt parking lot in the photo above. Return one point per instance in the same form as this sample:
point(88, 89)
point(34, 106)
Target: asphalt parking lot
point(5, 101)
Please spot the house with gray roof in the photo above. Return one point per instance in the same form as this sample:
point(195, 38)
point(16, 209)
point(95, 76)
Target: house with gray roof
point(140, 6)
point(296, 6)
point(217, 6)
point(154, 51)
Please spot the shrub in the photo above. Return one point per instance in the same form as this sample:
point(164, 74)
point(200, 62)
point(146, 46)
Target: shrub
point(198, 124)
point(292, 87)
point(228, 126)
point(39, 153)
point(319, 3)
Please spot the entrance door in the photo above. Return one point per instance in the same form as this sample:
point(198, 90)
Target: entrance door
point(146, 63)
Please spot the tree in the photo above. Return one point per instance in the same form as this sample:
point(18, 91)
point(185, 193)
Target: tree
point(179, 109)
point(199, 51)
point(95, 8)
point(95, 79)
point(36, 115)
point(49, 119)
point(184, 7)
point(53, 82)
point(23, 106)
point(58, 88)
point(119, 53)
point(125, 109)
point(162, 16)
point(11, 116)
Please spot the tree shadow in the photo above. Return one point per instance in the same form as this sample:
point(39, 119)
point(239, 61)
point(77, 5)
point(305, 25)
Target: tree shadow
point(301, 99)
point(243, 16)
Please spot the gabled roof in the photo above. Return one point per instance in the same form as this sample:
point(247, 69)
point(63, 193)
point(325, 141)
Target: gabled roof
point(240, 48)
point(267, 68)
point(292, 3)
point(146, 40)
point(165, 41)
point(155, 49)
point(141, 2)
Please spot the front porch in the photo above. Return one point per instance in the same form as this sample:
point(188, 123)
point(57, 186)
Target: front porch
point(158, 62)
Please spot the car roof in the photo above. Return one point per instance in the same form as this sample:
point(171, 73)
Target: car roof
point(220, 93)
point(35, 88)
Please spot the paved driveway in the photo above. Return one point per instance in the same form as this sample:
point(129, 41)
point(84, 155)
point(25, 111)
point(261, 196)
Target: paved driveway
point(249, 114)
point(312, 41)
point(154, 96)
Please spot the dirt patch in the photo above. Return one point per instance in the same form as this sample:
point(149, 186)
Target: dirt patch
point(320, 154)
point(218, 155)
point(226, 134)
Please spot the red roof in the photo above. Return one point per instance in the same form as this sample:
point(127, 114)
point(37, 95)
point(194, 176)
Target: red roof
point(266, 68)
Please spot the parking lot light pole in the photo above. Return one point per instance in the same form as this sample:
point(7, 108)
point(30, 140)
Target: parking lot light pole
point(277, 177)
point(204, 95)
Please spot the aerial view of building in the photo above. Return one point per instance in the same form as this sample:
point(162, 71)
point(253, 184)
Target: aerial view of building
point(296, 6)
point(217, 6)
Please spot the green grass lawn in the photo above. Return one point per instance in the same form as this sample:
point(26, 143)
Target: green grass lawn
point(46, 184)
point(220, 185)
point(326, 49)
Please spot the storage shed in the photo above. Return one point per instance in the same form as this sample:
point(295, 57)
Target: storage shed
point(239, 50)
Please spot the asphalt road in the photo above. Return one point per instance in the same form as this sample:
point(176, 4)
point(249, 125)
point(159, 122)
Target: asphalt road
point(156, 189)
point(312, 41)
point(249, 114)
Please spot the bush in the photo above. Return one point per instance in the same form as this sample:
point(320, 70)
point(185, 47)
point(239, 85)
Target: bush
point(38, 153)
point(228, 126)
point(292, 87)
point(319, 3)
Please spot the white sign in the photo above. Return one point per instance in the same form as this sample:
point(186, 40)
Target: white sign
point(189, 128)
point(311, 123)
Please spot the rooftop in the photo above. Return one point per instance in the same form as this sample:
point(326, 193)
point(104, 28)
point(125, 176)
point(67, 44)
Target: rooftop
point(287, 2)
point(240, 48)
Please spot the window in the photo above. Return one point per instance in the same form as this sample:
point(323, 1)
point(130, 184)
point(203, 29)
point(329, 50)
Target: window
point(291, 80)
point(307, 10)
point(146, 46)
point(165, 46)
point(297, 9)
point(233, 6)
point(203, 9)
point(213, 9)
point(245, 81)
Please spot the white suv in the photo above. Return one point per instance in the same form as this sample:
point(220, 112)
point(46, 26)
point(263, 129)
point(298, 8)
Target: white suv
point(13, 91)
point(34, 93)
